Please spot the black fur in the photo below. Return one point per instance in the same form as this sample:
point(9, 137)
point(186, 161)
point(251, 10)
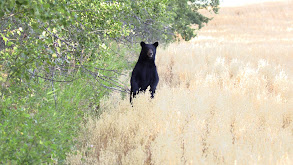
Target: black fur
point(145, 72)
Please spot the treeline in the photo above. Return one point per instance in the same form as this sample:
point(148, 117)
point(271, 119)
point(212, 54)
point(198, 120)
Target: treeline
point(58, 58)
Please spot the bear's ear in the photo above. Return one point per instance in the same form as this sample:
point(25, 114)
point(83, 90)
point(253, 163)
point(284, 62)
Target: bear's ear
point(142, 44)
point(156, 44)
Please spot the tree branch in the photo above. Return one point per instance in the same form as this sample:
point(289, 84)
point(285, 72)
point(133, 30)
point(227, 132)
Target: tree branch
point(49, 79)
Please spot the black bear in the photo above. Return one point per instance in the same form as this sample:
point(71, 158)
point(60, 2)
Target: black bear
point(145, 72)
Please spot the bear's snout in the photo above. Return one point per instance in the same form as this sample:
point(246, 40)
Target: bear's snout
point(150, 53)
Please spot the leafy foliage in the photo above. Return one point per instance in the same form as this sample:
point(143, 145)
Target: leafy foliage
point(34, 131)
point(51, 51)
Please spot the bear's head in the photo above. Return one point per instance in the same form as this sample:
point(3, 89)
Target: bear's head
point(148, 51)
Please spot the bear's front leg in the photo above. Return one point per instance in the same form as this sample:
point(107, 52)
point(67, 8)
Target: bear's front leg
point(153, 85)
point(134, 88)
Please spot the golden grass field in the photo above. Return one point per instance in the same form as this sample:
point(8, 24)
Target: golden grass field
point(226, 97)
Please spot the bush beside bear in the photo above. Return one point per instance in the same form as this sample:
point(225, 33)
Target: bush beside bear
point(145, 72)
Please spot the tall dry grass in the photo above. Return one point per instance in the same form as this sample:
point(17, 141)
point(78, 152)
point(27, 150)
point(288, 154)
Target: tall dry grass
point(223, 98)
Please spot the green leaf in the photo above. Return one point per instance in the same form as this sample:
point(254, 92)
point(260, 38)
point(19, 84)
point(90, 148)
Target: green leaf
point(59, 42)
point(1, 14)
point(4, 39)
point(9, 43)
point(47, 5)
point(58, 50)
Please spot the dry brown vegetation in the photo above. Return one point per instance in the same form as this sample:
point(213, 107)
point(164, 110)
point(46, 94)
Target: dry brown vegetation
point(224, 98)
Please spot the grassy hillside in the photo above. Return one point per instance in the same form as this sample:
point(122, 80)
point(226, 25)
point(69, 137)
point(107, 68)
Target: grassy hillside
point(226, 97)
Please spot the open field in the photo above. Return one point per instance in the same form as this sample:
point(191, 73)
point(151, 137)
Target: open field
point(226, 97)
